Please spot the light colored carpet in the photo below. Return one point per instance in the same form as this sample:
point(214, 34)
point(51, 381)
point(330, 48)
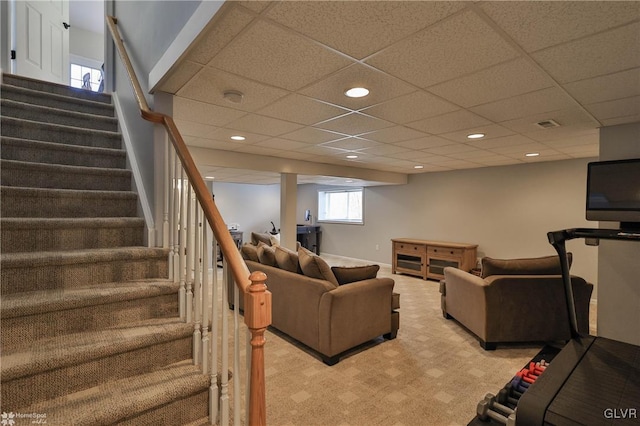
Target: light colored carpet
point(433, 373)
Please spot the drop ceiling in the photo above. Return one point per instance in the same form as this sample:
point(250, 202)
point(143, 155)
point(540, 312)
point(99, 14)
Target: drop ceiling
point(436, 71)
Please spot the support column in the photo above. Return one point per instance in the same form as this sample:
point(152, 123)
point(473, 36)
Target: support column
point(288, 206)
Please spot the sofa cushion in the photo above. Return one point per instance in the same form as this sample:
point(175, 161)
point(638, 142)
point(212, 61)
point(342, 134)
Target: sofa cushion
point(314, 266)
point(287, 259)
point(548, 265)
point(267, 254)
point(249, 252)
point(257, 237)
point(349, 274)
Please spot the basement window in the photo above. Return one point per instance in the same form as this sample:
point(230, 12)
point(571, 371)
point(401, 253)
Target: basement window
point(341, 206)
point(84, 77)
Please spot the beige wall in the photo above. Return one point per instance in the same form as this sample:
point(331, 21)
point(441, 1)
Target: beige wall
point(618, 270)
point(506, 210)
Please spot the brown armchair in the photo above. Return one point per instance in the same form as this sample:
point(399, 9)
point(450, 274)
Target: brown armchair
point(517, 300)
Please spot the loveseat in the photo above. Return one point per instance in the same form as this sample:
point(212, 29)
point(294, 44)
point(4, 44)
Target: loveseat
point(515, 300)
point(330, 310)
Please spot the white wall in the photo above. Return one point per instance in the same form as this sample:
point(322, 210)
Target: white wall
point(86, 44)
point(618, 267)
point(252, 207)
point(506, 210)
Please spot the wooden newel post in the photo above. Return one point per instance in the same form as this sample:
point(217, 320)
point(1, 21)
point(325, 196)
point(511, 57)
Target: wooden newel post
point(257, 317)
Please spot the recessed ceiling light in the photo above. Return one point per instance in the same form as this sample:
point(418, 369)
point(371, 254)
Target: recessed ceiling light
point(357, 92)
point(238, 138)
point(418, 167)
point(532, 154)
point(210, 177)
point(475, 136)
point(351, 157)
point(233, 96)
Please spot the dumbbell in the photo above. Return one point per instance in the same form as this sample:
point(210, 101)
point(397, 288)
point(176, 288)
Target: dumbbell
point(504, 397)
point(524, 375)
point(485, 412)
point(518, 385)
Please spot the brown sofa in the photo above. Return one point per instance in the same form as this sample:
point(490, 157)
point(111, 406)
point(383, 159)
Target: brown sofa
point(516, 300)
point(327, 315)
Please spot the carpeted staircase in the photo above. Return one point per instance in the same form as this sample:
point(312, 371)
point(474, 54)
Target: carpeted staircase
point(90, 327)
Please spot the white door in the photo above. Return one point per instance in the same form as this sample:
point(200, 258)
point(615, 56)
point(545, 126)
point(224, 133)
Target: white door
point(41, 39)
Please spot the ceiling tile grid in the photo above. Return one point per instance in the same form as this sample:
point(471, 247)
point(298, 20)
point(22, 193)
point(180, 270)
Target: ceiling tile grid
point(436, 72)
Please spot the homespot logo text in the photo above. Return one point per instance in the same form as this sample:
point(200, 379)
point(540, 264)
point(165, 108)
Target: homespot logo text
point(11, 418)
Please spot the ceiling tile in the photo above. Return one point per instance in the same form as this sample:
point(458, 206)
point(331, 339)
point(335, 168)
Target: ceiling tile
point(263, 125)
point(494, 83)
point(535, 25)
point(352, 143)
point(497, 160)
point(385, 149)
point(313, 135)
point(538, 102)
point(411, 107)
point(256, 6)
point(424, 143)
point(581, 151)
point(491, 131)
point(450, 149)
point(210, 84)
point(583, 139)
point(301, 109)
point(382, 87)
point(452, 48)
point(180, 77)
point(450, 122)
point(520, 150)
point(198, 130)
point(621, 120)
point(281, 144)
point(360, 28)
point(500, 142)
point(607, 87)
point(223, 134)
point(219, 32)
point(394, 134)
point(201, 112)
point(272, 55)
point(604, 53)
point(617, 108)
point(354, 124)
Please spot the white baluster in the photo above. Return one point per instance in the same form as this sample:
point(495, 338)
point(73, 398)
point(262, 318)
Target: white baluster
point(189, 253)
point(175, 229)
point(214, 394)
point(172, 214)
point(182, 247)
point(197, 286)
point(205, 298)
point(224, 370)
point(236, 354)
point(167, 196)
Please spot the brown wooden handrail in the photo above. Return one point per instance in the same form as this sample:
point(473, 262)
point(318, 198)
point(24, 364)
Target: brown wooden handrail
point(257, 298)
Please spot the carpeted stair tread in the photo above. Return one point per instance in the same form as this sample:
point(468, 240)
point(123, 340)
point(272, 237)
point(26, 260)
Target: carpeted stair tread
point(62, 222)
point(62, 176)
point(35, 97)
point(74, 257)
point(35, 130)
point(119, 400)
point(60, 153)
point(51, 115)
point(37, 302)
point(55, 88)
point(73, 349)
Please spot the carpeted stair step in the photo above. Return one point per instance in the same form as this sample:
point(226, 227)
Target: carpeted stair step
point(73, 362)
point(57, 153)
point(174, 395)
point(40, 202)
point(80, 268)
point(34, 97)
point(55, 88)
point(53, 234)
point(61, 176)
point(34, 130)
point(46, 314)
point(50, 115)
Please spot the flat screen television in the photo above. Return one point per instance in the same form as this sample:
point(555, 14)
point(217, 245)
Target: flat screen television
point(613, 192)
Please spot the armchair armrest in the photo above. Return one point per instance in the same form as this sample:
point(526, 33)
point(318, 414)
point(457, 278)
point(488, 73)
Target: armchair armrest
point(366, 303)
point(464, 298)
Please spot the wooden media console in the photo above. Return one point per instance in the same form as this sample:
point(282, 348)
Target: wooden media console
point(427, 259)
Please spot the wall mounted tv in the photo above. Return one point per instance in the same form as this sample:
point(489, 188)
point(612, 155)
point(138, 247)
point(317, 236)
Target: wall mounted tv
point(613, 192)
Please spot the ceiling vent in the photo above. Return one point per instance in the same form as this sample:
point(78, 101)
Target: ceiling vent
point(547, 124)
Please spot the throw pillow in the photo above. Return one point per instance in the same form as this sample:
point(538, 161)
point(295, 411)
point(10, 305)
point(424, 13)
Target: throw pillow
point(314, 266)
point(548, 265)
point(249, 252)
point(349, 274)
point(267, 254)
point(287, 259)
point(256, 237)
